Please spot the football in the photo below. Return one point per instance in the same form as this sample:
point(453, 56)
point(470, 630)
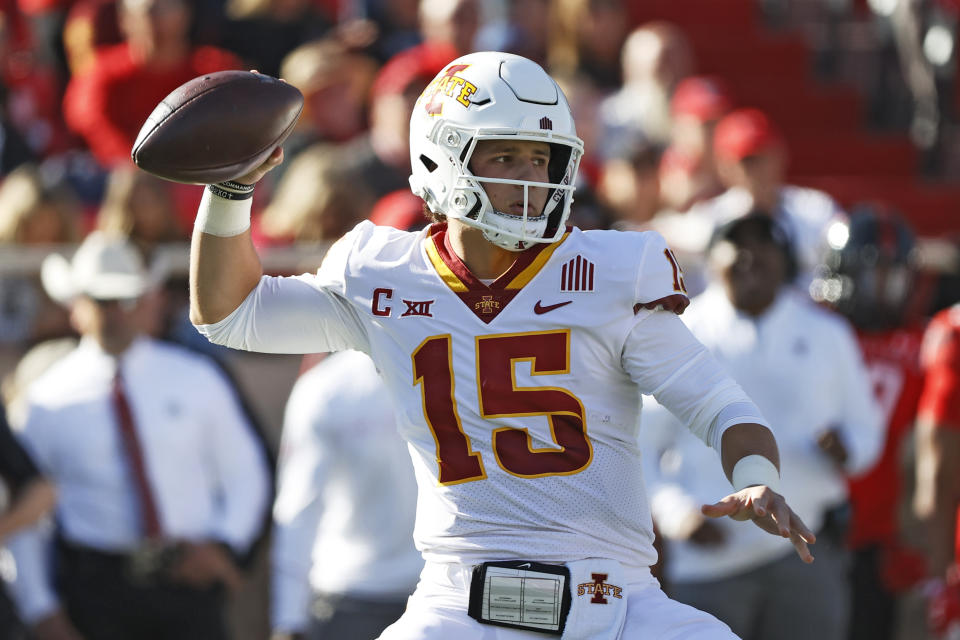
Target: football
point(217, 127)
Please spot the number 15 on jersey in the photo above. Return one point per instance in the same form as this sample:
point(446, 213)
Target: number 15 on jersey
point(548, 353)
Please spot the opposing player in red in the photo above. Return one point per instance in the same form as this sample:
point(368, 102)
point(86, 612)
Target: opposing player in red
point(868, 275)
point(515, 350)
point(937, 495)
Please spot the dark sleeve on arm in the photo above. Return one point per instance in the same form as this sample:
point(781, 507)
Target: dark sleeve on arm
point(16, 467)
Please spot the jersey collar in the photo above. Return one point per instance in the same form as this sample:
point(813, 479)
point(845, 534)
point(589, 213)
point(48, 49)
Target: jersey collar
point(485, 301)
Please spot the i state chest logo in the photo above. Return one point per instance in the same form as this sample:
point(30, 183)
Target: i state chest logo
point(487, 304)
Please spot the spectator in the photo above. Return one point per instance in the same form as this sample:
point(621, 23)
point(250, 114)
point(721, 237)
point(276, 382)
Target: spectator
point(688, 173)
point(30, 84)
point(450, 22)
point(340, 449)
point(107, 105)
point(381, 158)
point(937, 496)
point(263, 32)
point(317, 199)
point(395, 25)
point(656, 56)
point(585, 100)
point(751, 159)
point(803, 366)
point(527, 31)
point(869, 275)
point(162, 482)
point(630, 185)
point(14, 150)
point(590, 38)
point(32, 214)
point(89, 25)
point(335, 84)
point(140, 207)
point(30, 497)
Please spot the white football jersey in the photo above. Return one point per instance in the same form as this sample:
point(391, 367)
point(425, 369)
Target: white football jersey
point(519, 399)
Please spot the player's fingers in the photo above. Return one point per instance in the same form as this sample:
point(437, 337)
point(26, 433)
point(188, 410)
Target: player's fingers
point(781, 516)
point(798, 527)
point(802, 549)
point(724, 507)
point(762, 504)
point(276, 157)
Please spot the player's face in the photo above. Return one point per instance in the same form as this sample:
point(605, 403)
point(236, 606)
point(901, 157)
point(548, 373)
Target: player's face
point(513, 160)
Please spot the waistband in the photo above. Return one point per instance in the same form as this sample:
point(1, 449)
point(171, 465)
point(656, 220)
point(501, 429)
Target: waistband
point(459, 576)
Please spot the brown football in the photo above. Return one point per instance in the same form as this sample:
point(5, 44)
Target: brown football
point(217, 127)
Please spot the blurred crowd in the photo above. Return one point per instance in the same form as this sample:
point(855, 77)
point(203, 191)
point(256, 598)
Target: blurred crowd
point(668, 148)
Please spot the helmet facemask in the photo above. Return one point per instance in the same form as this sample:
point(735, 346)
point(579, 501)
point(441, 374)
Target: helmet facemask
point(471, 204)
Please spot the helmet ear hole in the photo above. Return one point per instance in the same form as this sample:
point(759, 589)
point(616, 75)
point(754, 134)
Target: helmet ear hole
point(428, 163)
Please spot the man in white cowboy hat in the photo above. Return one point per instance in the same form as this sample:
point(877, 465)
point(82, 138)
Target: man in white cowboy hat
point(162, 481)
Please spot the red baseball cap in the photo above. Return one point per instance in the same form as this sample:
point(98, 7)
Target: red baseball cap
point(745, 132)
point(703, 97)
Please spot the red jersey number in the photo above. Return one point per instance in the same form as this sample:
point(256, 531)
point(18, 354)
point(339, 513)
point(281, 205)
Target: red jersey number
point(548, 353)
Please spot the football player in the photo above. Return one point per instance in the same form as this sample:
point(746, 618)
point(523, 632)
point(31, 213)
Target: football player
point(868, 274)
point(937, 498)
point(515, 350)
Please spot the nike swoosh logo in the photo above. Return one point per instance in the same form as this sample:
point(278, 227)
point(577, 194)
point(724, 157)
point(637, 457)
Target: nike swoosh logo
point(525, 564)
point(539, 308)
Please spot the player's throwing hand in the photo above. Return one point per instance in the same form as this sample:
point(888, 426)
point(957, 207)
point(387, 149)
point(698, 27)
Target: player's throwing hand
point(769, 511)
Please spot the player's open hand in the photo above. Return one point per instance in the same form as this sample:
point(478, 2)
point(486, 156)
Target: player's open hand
point(769, 511)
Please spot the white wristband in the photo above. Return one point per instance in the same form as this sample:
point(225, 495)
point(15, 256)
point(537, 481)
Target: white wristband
point(221, 217)
point(754, 470)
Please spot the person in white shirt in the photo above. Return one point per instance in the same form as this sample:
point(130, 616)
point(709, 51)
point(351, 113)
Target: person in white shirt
point(803, 367)
point(346, 499)
point(515, 351)
point(751, 158)
point(162, 481)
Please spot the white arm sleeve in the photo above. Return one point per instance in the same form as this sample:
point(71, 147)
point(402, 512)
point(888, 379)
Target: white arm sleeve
point(290, 315)
point(669, 363)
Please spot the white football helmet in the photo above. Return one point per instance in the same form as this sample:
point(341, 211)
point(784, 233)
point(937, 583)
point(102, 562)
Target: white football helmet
point(493, 96)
